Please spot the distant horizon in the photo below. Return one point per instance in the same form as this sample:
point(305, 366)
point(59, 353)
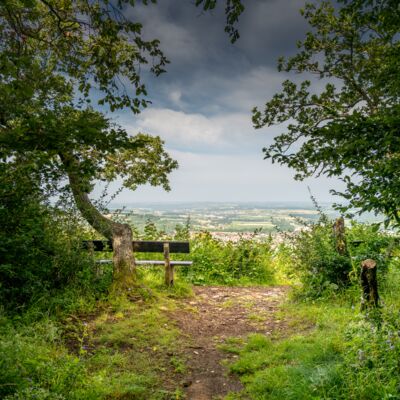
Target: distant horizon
point(221, 202)
point(178, 211)
point(273, 204)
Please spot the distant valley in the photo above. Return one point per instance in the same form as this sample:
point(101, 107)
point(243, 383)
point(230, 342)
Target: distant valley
point(226, 217)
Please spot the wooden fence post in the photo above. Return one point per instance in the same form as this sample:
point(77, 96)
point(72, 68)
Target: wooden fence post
point(340, 237)
point(169, 269)
point(369, 284)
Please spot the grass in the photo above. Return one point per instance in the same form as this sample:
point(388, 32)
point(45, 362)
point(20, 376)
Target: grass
point(298, 367)
point(120, 350)
point(330, 351)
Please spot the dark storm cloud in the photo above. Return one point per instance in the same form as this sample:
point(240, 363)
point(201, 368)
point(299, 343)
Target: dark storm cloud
point(270, 29)
point(205, 66)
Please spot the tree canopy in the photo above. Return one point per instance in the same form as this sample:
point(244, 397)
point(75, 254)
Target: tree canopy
point(52, 54)
point(350, 128)
point(58, 56)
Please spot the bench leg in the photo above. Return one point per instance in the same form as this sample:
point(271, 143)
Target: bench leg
point(169, 269)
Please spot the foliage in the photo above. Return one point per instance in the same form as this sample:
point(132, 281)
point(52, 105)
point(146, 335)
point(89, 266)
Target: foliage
point(150, 231)
point(94, 44)
point(83, 143)
point(233, 10)
point(52, 53)
point(120, 351)
point(372, 356)
point(368, 241)
point(40, 247)
point(33, 366)
point(282, 259)
point(53, 57)
point(182, 232)
point(350, 127)
point(247, 261)
point(310, 256)
point(216, 262)
point(316, 262)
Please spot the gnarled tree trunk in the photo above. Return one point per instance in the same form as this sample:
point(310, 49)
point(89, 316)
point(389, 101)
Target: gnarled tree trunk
point(119, 234)
point(123, 258)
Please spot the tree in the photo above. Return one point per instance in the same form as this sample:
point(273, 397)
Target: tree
point(52, 54)
point(55, 58)
point(351, 127)
point(84, 146)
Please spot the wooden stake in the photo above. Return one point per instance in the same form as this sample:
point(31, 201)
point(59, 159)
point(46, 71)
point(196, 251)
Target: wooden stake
point(369, 284)
point(340, 237)
point(169, 269)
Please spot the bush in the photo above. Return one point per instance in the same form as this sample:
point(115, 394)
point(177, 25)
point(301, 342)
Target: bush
point(367, 241)
point(216, 262)
point(32, 365)
point(321, 269)
point(39, 247)
point(316, 262)
point(371, 360)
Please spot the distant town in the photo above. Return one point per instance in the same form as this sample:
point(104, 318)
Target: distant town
point(226, 221)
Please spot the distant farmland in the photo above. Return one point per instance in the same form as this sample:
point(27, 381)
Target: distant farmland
point(224, 217)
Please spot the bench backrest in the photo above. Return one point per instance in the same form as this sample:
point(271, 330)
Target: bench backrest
point(140, 246)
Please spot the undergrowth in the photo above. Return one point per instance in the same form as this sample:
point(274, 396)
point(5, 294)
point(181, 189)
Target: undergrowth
point(215, 262)
point(120, 349)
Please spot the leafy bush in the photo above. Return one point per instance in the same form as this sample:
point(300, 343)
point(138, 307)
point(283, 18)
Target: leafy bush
point(39, 247)
point(316, 262)
point(31, 364)
point(371, 360)
point(218, 262)
point(247, 261)
point(367, 241)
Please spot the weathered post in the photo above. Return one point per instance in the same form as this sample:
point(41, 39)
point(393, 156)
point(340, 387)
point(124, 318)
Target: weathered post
point(339, 232)
point(169, 269)
point(369, 284)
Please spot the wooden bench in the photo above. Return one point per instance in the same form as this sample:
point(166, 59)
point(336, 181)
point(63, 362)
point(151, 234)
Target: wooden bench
point(148, 246)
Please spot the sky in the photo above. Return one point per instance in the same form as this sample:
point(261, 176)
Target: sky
point(201, 107)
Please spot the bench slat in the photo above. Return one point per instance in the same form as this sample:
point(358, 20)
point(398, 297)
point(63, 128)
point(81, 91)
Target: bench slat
point(140, 246)
point(149, 262)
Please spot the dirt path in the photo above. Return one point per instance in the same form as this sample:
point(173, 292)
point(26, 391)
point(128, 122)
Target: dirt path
point(215, 314)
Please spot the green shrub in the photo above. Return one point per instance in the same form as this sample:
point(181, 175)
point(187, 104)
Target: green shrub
point(368, 241)
point(32, 365)
point(216, 262)
point(40, 249)
point(316, 262)
point(371, 360)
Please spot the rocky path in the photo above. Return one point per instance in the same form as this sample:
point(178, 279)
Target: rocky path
point(215, 314)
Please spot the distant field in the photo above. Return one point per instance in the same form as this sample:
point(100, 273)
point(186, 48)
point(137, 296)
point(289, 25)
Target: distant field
point(224, 217)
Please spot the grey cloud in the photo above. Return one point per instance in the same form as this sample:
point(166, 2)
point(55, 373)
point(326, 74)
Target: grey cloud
point(209, 73)
point(270, 29)
point(201, 106)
